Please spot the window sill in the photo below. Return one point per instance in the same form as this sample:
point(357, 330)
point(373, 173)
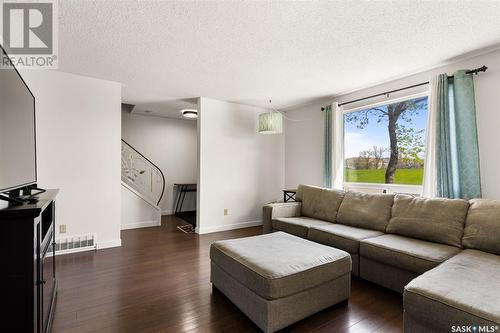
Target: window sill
point(384, 188)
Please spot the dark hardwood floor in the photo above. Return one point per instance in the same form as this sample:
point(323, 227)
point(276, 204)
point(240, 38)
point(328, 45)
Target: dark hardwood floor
point(158, 281)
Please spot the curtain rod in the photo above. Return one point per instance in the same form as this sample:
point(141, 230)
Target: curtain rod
point(473, 71)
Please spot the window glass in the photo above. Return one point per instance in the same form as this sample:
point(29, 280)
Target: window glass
point(386, 144)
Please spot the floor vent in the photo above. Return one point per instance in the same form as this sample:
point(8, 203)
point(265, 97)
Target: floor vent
point(75, 243)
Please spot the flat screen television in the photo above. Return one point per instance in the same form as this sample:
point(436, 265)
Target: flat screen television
point(17, 129)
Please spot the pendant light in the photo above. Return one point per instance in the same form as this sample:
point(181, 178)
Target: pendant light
point(271, 122)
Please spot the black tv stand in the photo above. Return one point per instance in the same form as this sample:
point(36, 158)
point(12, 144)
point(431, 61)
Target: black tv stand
point(28, 274)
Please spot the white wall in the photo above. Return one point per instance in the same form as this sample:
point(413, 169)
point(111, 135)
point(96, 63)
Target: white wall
point(304, 142)
point(240, 169)
point(78, 150)
point(137, 213)
point(298, 169)
point(169, 143)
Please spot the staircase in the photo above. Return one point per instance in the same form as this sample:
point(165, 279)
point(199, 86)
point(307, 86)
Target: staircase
point(143, 178)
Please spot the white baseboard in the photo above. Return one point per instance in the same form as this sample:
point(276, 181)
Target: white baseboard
point(143, 224)
point(109, 243)
point(224, 227)
point(167, 212)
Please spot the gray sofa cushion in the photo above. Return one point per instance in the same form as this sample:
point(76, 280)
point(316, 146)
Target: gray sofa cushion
point(413, 255)
point(298, 226)
point(278, 264)
point(464, 290)
point(363, 210)
point(341, 236)
point(319, 203)
point(482, 227)
point(435, 220)
point(278, 209)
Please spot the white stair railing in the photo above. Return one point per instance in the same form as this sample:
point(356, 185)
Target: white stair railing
point(141, 174)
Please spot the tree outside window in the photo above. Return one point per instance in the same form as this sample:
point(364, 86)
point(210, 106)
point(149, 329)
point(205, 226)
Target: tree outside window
point(386, 144)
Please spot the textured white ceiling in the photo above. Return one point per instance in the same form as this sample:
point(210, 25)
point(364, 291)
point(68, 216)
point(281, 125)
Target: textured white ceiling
point(248, 52)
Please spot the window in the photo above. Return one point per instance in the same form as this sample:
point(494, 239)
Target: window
point(385, 144)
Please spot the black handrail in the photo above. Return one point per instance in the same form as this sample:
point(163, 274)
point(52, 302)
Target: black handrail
point(147, 159)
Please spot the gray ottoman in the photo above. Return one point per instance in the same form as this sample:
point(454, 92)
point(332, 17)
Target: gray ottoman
point(278, 279)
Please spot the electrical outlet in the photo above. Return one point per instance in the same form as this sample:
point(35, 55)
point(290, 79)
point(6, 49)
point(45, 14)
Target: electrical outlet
point(226, 211)
point(62, 228)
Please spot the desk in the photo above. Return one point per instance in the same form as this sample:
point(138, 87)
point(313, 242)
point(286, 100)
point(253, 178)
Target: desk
point(182, 189)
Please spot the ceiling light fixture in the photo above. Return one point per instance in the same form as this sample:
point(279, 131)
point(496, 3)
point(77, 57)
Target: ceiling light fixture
point(189, 113)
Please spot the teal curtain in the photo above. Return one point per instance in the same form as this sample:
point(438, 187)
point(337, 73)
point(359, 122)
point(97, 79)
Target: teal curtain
point(458, 172)
point(328, 146)
point(446, 161)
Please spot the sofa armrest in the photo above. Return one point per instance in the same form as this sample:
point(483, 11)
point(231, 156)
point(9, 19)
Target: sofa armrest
point(276, 210)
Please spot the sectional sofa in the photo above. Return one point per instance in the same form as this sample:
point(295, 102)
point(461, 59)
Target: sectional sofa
point(442, 254)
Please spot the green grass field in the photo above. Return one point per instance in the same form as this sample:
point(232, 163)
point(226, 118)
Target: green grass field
point(403, 176)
